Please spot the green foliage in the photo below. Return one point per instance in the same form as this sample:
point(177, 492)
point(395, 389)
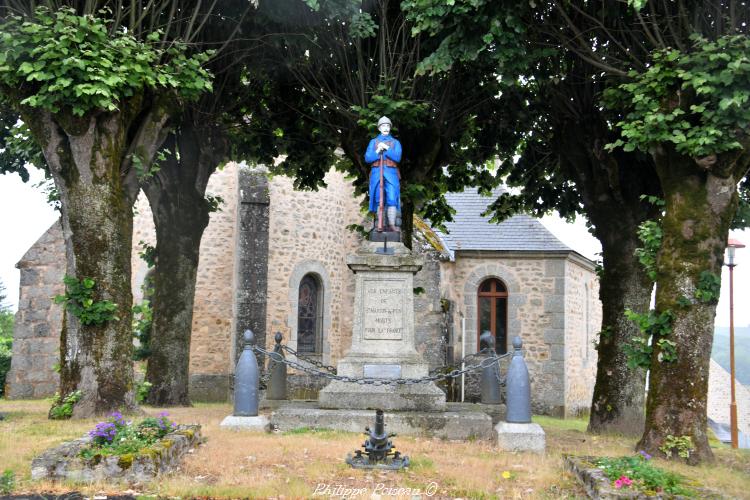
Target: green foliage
point(604, 334)
point(474, 28)
point(147, 253)
point(646, 477)
point(7, 482)
point(143, 318)
point(695, 100)
point(62, 408)
point(358, 229)
point(362, 25)
point(79, 301)
point(117, 437)
point(681, 445)
point(142, 391)
point(650, 234)
point(709, 287)
point(214, 203)
point(6, 352)
point(653, 327)
point(62, 60)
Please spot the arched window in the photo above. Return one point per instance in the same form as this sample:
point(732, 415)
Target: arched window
point(309, 315)
point(492, 313)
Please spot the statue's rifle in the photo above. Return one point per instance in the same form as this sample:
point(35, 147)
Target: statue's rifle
point(381, 205)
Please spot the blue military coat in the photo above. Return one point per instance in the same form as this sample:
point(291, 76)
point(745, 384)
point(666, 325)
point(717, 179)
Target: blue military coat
point(390, 174)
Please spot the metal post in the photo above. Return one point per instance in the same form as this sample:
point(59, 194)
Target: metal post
point(246, 380)
point(733, 403)
point(518, 399)
point(277, 370)
point(490, 383)
point(463, 355)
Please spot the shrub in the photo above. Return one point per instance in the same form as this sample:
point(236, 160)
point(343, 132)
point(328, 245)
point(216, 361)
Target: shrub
point(115, 436)
point(62, 408)
point(638, 473)
point(5, 355)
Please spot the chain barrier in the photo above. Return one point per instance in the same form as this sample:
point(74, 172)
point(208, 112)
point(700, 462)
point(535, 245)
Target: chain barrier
point(314, 362)
point(487, 361)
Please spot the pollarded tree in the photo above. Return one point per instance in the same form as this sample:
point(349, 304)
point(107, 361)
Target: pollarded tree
point(685, 88)
point(97, 94)
point(554, 149)
point(350, 63)
point(176, 189)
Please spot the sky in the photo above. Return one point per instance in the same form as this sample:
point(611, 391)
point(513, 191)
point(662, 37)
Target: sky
point(25, 216)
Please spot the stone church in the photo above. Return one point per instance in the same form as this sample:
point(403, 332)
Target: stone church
point(274, 260)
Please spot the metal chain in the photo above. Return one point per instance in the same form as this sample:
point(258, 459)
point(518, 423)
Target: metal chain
point(487, 361)
point(314, 362)
point(456, 365)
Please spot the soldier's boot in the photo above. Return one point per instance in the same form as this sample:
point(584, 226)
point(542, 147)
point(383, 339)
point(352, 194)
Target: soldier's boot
point(392, 213)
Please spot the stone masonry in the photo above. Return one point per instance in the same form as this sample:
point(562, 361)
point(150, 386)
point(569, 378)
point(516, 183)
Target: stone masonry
point(268, 236)
point(36, 342)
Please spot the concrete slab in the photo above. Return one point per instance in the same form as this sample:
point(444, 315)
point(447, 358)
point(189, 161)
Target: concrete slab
point(258, 423)
point(458, 425)
point(520, 437)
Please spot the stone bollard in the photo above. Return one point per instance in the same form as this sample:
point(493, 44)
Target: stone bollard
point(518, 398)
point(277, 369)
point(518, 433)
point(489, 384)
point(246, 380)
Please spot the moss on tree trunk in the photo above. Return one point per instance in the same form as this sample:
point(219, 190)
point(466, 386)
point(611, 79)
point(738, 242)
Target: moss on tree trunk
point(85, 156)
point(181, 213)
point(699, 209)
point(619, 392)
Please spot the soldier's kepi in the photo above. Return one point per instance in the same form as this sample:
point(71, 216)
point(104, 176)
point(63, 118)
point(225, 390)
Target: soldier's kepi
point(384, 154)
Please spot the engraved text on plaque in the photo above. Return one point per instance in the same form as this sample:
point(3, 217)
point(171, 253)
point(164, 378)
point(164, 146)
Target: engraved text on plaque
point(384, 310)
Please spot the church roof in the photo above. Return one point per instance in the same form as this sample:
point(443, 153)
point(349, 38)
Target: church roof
point(470, 230)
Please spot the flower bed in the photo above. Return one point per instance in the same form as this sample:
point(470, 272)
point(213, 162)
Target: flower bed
point(632, 477)
point(121, 450)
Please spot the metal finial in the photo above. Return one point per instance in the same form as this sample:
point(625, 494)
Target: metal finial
point(278, 337)
point(517, 343)
point(249, 338)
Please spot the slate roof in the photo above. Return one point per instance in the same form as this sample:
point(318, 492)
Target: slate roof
point(469, 230)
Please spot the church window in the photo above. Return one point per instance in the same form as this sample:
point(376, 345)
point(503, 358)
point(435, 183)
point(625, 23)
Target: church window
point(310, 317)
point(492, 304)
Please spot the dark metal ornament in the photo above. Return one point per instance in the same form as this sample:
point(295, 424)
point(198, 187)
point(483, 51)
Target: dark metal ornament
point(379, 452)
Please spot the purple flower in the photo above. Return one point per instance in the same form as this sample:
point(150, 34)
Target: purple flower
point(117, 419)
point(645, 455)
point(103, 432)
point(164, 414)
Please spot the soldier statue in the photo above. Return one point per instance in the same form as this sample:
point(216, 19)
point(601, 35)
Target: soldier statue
point(384, 154)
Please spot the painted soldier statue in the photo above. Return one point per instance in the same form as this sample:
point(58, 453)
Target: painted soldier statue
point(383, 155)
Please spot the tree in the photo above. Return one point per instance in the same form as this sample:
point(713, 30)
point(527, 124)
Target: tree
point(225, 123)
point(553, 148)
point(350, 63)
point(685, 85)
point(96, 94)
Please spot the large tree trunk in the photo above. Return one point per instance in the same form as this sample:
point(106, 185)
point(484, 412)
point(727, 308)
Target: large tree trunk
point(177, 198)
point(611, 186)
point(699, 208)
point(84, 159)
point(90, 158)
point(618, 402)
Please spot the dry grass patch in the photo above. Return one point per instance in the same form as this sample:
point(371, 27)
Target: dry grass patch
point(234, 464)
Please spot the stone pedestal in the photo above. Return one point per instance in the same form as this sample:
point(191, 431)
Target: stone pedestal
point(520, 437)
point(383, 336)
point(258, 423)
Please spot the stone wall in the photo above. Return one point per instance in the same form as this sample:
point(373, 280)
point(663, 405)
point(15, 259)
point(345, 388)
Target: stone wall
point(307, 234)
point(36, 339)
point(583, 320)
point(536, 311)
point(719, 398)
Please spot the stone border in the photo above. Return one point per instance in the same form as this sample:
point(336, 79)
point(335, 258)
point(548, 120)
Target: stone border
point(516, 299)
point(63, 462)
point(301, 269)
point(598, 486)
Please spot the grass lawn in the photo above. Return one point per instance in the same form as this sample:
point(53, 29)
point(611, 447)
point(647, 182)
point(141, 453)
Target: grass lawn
point(293, 465)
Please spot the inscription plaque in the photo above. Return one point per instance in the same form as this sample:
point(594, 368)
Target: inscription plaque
point(384, 310)
point(382, 371)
